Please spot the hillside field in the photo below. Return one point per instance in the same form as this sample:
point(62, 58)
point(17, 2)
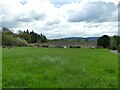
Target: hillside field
point(30, 67)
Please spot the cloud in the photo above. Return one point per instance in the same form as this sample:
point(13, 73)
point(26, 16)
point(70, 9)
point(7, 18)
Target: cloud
point(31, 17)
point(58, 19)
point(52, 22)
point(10, 24)
point(94, 12)
point(80, 29)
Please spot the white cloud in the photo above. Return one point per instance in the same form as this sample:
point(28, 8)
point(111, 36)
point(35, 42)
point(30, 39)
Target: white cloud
point(82, 29)
point(92, 11)
point(95, 18)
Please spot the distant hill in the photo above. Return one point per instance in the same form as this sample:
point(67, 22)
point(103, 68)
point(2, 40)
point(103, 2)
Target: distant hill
point(80, 38)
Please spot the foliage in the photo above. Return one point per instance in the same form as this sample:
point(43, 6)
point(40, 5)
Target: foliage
point(115, 41)
point(20, 42)
point(43, 38)
point(113, 44)
point(104, 41)
point(6, 31)
point(10, 39)
point(118, 48)
point(32, 37)
point(7, 40)
point(25, 36)
point(22, 38)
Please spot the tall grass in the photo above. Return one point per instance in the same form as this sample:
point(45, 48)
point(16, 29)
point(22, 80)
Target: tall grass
point(59, 68)
point(0, 68)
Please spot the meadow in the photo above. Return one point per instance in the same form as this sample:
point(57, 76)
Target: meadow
point(0, 68)
point(29, 67)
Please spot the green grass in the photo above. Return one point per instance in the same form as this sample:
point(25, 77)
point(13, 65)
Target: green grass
point(0, 68)
point(59, 68)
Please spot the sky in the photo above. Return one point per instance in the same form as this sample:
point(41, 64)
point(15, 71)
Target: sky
point(61, 18)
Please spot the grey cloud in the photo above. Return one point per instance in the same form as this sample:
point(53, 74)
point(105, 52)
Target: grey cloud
point(10, 24)
point(53, 22)
point(32, 16)
point(36, 16)
point(93, 12)
point(23, 2)
point(86, 30)
point(119, 11)
point(24, 20)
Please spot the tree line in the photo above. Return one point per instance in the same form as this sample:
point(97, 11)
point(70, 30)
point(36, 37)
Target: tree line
point(22, 38)
point(109, 42)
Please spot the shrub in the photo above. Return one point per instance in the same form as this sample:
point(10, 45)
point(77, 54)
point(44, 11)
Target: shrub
point(45, 46)
point(20, 42)
point(119, 48)
point(113, 48)
point(100, 47)
point(7, 40)
point(24, 43)
point(75, 46)
point(104, 41)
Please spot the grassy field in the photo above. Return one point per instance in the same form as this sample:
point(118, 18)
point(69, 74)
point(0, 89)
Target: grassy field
point(59, 67)
point(0, 68)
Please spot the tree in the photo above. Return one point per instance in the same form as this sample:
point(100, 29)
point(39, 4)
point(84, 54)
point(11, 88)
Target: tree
point(104, 41)
point(26, 36)
point(6, 30)
point(115, 41)
point(27, 31)
point(20, 42)
point(33, 37)
point(11, 39)
point(44, 39)
point(36, 38)
point(86, 39)
point(119, 48)
point(113, 44)
point(22, 38)
point(7, 40)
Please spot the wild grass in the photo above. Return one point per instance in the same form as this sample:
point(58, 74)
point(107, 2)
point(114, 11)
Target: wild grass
point(0, 68)
point(59, 68)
